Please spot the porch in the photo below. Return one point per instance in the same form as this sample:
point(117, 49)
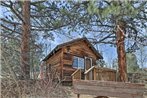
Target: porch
point(95, 73)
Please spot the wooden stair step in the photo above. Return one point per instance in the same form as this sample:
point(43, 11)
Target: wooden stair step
point(67, 78)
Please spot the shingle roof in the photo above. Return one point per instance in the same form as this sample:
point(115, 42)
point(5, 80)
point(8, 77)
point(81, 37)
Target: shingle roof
point(58, 47)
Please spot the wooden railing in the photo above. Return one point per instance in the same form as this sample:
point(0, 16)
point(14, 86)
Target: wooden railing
point(86, 73)
point(95, 73)
point(76, 74)
point(90, 69)
point(104, 74)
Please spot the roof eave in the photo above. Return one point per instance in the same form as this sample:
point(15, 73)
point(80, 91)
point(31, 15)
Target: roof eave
point(64, 44)
point(55, 49)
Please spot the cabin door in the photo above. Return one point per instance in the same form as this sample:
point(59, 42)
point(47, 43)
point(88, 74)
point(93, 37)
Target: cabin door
point(88, 64)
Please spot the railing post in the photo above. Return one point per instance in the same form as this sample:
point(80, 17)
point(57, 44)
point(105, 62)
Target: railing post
point(94, 73)
point(78, 95)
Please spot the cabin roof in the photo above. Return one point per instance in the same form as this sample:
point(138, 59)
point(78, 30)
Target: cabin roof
point(58, 47)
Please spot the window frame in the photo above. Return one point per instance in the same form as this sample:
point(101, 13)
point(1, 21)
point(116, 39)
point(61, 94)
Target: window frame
point(78, 58)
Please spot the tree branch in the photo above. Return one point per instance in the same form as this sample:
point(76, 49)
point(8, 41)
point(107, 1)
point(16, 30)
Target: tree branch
point(36, 2)
point(103, 39)
point(12, 9)
point(15, 23)
point(10, 29)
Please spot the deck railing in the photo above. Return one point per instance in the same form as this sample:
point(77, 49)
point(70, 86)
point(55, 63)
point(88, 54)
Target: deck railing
point(89, 74)
point(76, 74)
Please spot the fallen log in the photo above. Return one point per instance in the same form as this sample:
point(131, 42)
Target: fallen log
point(108, 88)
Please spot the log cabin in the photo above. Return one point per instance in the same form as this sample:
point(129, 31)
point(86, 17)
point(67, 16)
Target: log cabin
point(75, 60)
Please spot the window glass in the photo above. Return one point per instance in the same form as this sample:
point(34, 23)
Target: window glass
point(75, 62)
point(78, 62)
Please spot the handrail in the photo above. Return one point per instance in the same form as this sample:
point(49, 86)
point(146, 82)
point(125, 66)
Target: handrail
point(75, 72)
point(89, 69)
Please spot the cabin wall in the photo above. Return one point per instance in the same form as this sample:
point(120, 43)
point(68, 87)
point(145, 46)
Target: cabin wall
point(62, 60)
point(53, 65)
point(79, 49)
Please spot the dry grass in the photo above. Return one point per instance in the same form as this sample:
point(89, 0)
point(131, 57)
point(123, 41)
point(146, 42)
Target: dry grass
point(38, 89)
point(32, 88)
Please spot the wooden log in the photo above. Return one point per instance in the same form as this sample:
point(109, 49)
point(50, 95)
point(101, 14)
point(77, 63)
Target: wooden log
point(109, 84)
point(110, 89)
point(94, 71)
point(105, 88)
point(101, 97)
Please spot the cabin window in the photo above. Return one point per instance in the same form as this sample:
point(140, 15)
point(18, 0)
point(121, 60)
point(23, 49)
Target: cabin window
point(78, 62)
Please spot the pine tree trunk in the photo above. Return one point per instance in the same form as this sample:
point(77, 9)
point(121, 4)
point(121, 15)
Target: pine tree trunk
point(120, 37)
point(25, 55)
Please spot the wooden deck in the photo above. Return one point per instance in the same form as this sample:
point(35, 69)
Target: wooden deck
point(95, 73)
point(108, 88)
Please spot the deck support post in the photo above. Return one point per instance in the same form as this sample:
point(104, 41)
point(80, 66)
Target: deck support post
point(78, 95)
